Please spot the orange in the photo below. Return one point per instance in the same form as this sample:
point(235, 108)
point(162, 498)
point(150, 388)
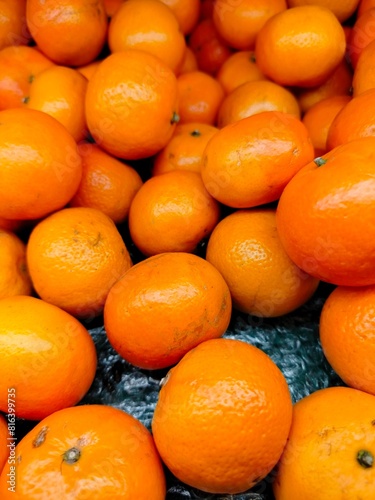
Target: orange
point(365, 5)
point(10, 225)
point(131, 104)
point(40, 168)
point(107, 184)
point(186, 12)
point(172, 212)
point(364, 74)
point(239, 68)
point(207, 9)
point(319, 118)
point(342, 9)
point(48, 357)
point(148, 25)
point(14, 277)
point(185, 150)
point(60, 92)
point(89, 69)
point(200, 96)
point(18, 68)
point(300, 46)
point(165, 306)
point(13, 29)
point(330, 450)
point(91, 451)
point(331, 234)
point(223, 416)
point(240, 22)
point(112, 6)
point(248, 163)
point(346, 334)
point(262, 279)
point(189, 62)
point(74, 258)
point(362, 34)
point(5, 443)
point(252, 98)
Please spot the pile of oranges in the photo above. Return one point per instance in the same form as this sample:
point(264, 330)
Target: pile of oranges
point(162, 164)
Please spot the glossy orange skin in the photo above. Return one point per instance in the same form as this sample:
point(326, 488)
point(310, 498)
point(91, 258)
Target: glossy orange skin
point(151, 26)
point(75, 256)
point(47, 356)
point(329, 428)
point(364, 74)
point(116, 460)
point(131, 104)
point(70, 32)
point(13, 29)
point(270, 148)
point(14, 277)
point(290, 44)
point(256, 97)
point(47, 184)
point(239, 68)
point(223, 416)
point(342, 9)
point(172, 212)
point(4, 435)
point(165, 306)
point(186, 12)
point(362, 34)
point(189, 62)
point(330, 236)
point(185, 150)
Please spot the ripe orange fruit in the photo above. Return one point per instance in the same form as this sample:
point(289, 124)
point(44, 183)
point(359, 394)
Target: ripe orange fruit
point(4, 435)
point(10, 225)
point(74, 257)
point(346, 334)
point(107, 184)
point(150, 26)
point(89, 69)
point(14, 277)
point(70, 32)
point(248, 163)
point(165, 306)
point(240, 22)
point(262, 279)
point(342, 9)
point(48, 357)
point(252, 98)
point(40, 166)
point(189, 62)
point(90, 451)
point(331, 234)
point(239, 68)
point(223, 416)
point(365, 5)
point(200, 96)
point(291, 42)
point(330, 449)
point(362, 34)
point(185, 150)
point(364, 74)
point(131, 104)
point(186, 12)
point(172, 212)
point(13, 29)
point(112, 6)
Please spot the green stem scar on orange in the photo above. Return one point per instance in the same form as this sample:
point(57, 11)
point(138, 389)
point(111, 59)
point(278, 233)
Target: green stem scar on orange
point(320, 161)
point(365, 458)
point(72, 455)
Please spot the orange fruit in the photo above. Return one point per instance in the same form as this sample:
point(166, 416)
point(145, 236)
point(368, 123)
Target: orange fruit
point(240, 22)
point(331, 234)
point(172, 212)
point(74, 257)
point(365, 5)
point(207, 9)
point(252, 98)
point(364, 74)
point(239, 68)
point(189, 62)
point(330, 449)
point(5, 438)
point(186, 12)
point(185, 149)
point(151, 26)
point(131, 104)
point(13, 29)
point(342, 9)
point(300, 46)
point(14, 277)
point(47, 356)
point(262, 279)
point(346, 335)
point(319, 118)
point(90, 451)
point(107, 184)
point(200, 96)
point(165, 306)
point(60, 92)
point(40, 166)
point(112, 6)
point(89, 69)
point(248, 163)
point(223, 416)
point(362, 34)
point(10, 225)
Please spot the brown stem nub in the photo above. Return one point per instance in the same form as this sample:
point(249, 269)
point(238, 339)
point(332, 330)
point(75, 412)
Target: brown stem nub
point(365, 459)
point(175, 118)
point(195, 133)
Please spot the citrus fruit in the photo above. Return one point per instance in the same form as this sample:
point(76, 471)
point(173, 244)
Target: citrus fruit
point(239, 68)
point(14, 277)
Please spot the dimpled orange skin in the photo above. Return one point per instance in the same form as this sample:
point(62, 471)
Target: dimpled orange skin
point(342, 9)
point(39, 159)
point(248, 163)
point(300, 46)
point(331, 234)
point(14, 277)
point(13, 30)
point(4, 435)
point(239, 68)
point(330, 427)
point(163, 307)
point(186, 12)
point(74, 257)
point(113, 457)
point(131, 104)
point(223, 416)
point(69, 32)
point(47, 356)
